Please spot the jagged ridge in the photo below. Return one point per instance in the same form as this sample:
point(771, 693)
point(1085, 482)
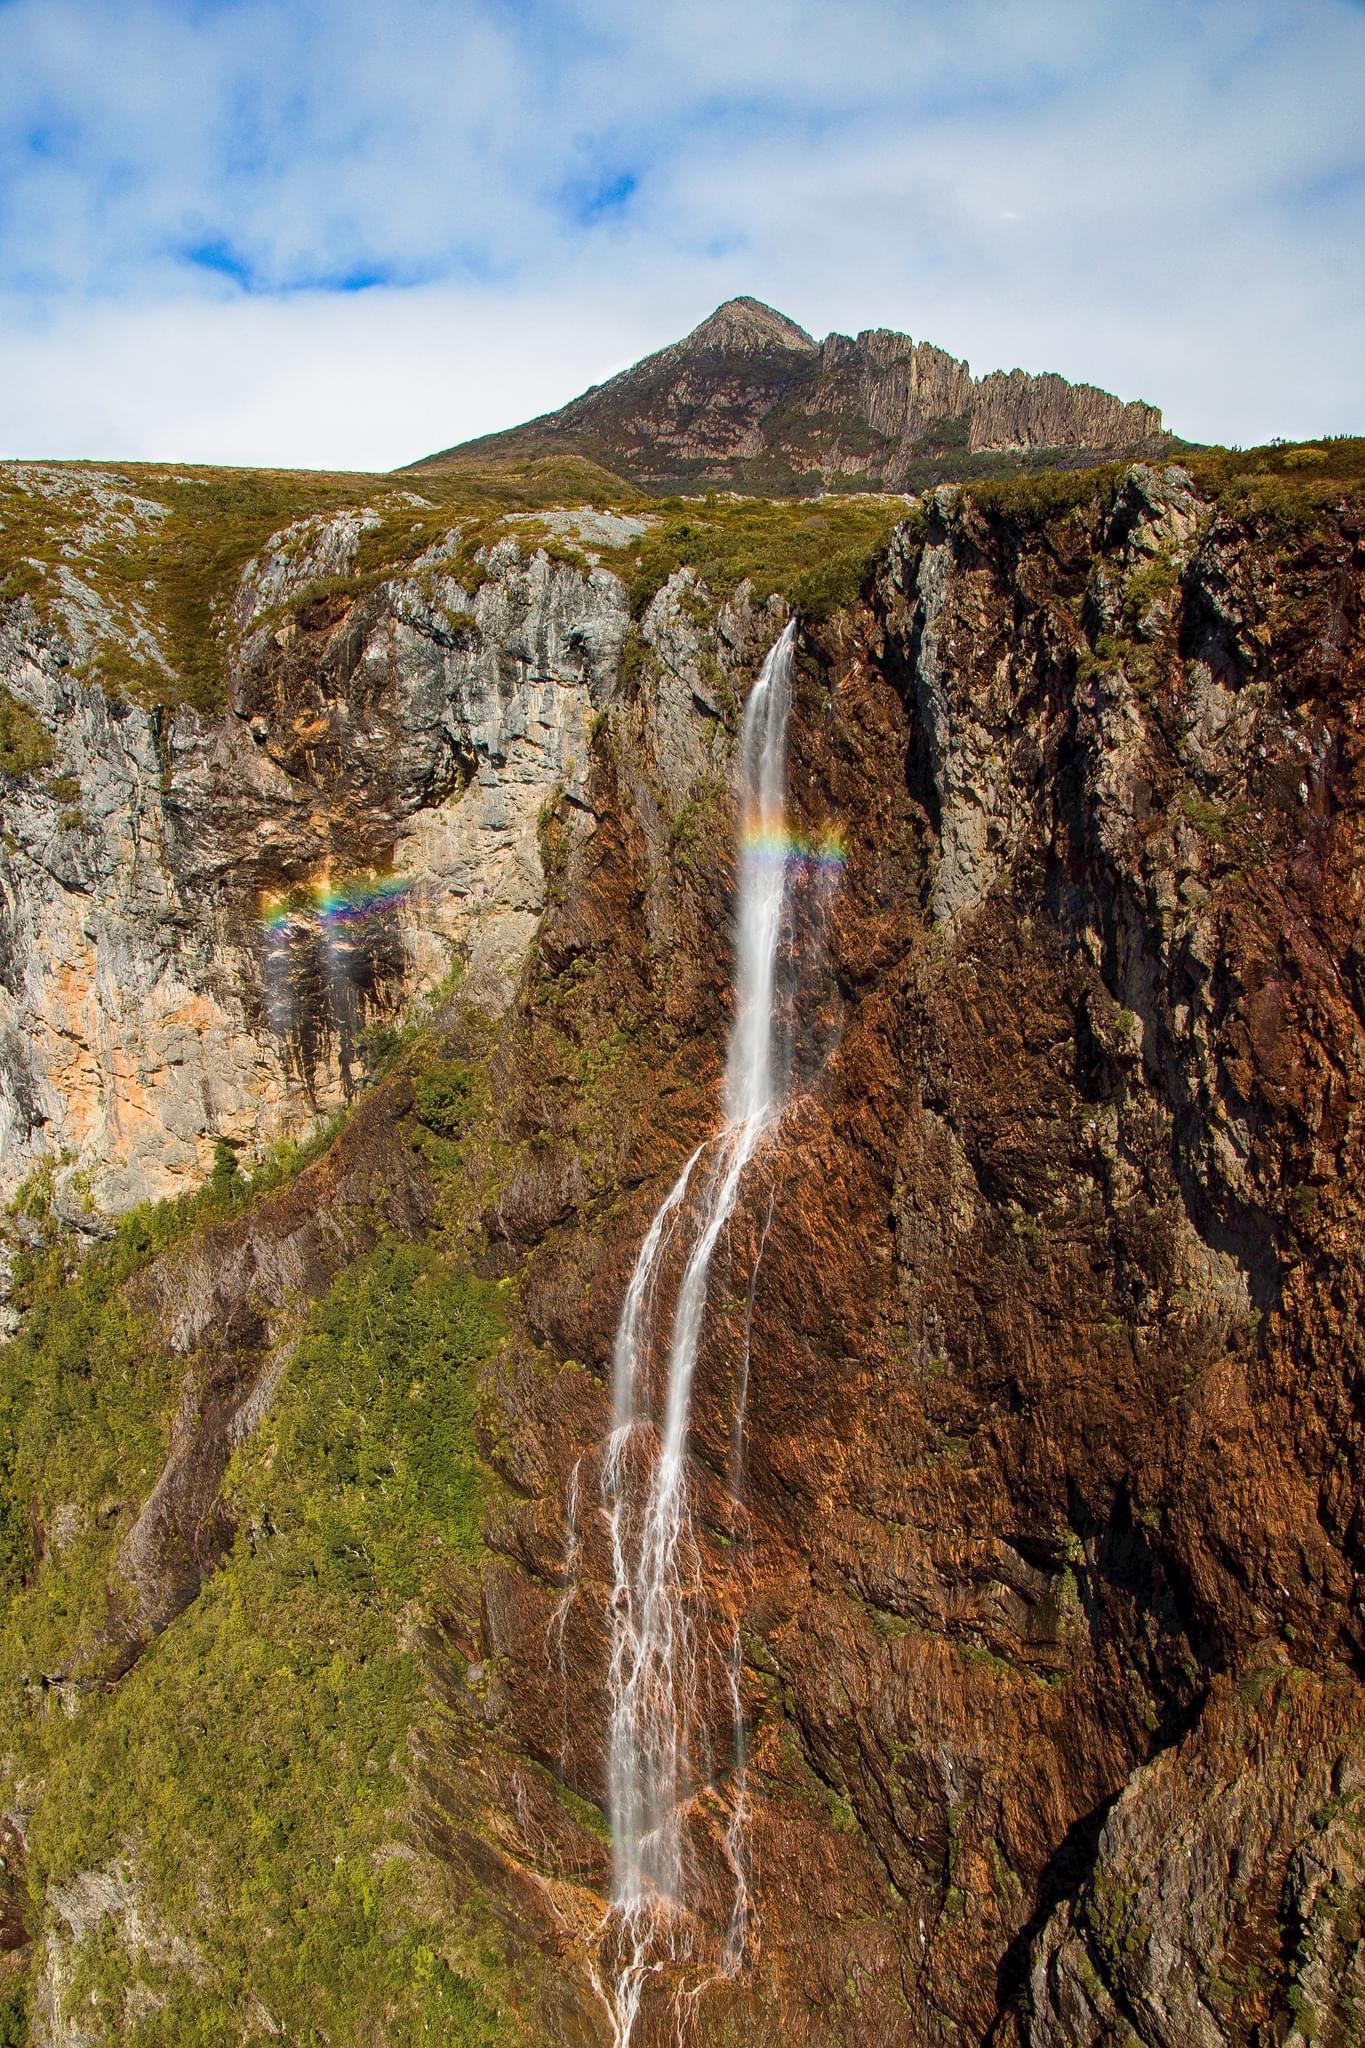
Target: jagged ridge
point(750, 400)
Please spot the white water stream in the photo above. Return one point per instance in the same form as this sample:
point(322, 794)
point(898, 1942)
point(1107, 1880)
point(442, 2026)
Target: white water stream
point(655, 1764)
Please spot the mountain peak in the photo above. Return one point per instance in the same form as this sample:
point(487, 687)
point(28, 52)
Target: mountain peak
point(749, 401)
point(745, 326)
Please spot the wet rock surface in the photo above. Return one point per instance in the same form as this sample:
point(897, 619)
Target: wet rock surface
point(1051, 1425)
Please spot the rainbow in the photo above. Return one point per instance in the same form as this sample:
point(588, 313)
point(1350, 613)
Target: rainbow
point(825, 850)
point(333, 901)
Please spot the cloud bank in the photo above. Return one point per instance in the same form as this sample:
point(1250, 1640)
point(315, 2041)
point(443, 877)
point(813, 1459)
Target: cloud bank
point(325, 233)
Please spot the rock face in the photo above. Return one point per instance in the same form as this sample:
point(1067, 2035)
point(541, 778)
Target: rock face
point(1046, 1562)
point(199, 914)
point(1050, 1599)
point(748, 400)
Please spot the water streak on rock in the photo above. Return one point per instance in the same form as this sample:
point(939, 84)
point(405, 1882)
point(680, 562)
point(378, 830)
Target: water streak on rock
point(655, 1766)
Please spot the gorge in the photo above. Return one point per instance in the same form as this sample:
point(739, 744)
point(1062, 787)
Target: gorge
point(884, 972)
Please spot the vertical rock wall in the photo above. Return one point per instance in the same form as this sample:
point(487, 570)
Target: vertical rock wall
point(167, 980)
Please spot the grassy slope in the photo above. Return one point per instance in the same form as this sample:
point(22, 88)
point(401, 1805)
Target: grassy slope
point(249, 1774)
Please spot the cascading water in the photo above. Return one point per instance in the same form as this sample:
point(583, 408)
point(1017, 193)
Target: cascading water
point(653, 1767)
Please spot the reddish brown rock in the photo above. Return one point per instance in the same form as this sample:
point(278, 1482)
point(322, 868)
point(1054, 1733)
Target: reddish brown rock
point(749, 400)
point(1052, 1417)
point(1046, 1560)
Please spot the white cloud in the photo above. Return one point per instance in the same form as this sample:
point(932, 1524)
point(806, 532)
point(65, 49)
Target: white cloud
point(1167, 200)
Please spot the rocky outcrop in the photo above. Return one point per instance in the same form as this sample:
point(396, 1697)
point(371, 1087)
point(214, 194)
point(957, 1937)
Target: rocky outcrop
point(100, 1905)
point(1237, 1852)
point(199, 914)
point(749, 400)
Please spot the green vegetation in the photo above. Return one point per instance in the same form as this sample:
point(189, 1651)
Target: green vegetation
point(246, 1779)
point(181, 566)
point(176, 573)
point(1289, 485)
point(25, 745)
point(179, 570)
point(1150, 585)
point(441, 1098)
point(1038, 497)
point(83, 1395)
point(1204, 816)
point(814, 553)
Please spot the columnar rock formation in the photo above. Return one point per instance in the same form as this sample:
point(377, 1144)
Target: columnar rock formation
point(749, 400)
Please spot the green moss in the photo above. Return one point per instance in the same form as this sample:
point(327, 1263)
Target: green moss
point(1024, 1224)
point(985, 1659)
point(583, 1811)
point(1204, 816)
point(842, 1817)
point(25, 743)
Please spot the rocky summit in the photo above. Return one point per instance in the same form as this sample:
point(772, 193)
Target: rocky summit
point(671, 1368)
point(748, 401)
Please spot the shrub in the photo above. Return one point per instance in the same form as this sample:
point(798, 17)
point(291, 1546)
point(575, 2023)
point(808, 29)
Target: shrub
point(377, 1044)
point(441, 1098)
point(25, 744)
point(1204, 816)
point(226, 1178)
point(815, 553)
point(13, 2015)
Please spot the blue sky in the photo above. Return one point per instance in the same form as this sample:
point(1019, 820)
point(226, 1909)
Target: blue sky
point(343, 234)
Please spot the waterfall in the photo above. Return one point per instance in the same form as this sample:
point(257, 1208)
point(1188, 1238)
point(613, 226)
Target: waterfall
point(654, 1767)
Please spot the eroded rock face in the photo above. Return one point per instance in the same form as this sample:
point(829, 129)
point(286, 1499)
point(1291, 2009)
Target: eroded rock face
point(748, 399)
point(1244, 1838)
point(1046, 1563)
point(165, 979)
point(1050, 1421)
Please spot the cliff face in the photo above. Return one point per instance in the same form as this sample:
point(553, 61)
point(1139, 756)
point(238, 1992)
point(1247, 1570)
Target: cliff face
point(1047, 1561)
point(174, 969)
point(1050, 1597)
point(749, 401)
